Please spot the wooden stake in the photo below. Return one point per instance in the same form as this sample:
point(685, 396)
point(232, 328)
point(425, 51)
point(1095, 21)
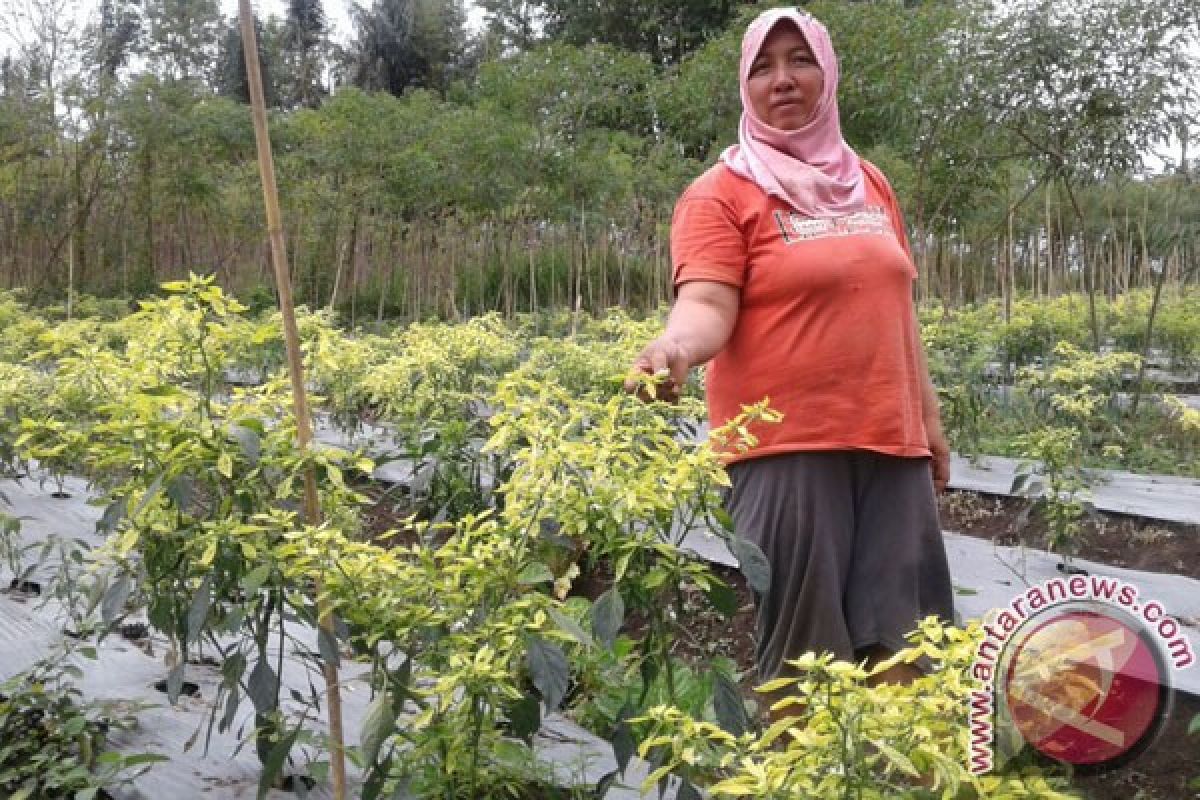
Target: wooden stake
point(283, 283)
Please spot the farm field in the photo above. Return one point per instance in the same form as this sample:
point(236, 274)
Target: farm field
point(504, 547)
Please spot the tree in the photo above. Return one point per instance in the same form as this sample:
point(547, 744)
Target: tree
point(302, 47)
point(182, 38)
point(517, 25)
point(403, 44)
point(115, 36)
point(230, 78)
point(1089, 88)
point(665, 30)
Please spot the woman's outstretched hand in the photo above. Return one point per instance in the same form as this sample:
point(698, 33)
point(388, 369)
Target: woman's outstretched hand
point(666, 362)
point(941, 459)
point(701, 321)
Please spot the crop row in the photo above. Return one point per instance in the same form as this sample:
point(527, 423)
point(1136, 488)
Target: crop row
point(469, 611)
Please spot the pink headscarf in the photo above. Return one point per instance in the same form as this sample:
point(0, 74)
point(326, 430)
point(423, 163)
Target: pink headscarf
point(812, 169)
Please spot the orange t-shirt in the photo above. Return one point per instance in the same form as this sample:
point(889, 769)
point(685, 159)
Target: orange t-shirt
point(825, 327)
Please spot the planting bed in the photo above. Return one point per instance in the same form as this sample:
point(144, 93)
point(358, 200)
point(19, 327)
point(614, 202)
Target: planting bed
point(506, 553)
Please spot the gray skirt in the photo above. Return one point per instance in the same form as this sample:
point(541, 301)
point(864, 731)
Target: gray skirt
point(855, 548)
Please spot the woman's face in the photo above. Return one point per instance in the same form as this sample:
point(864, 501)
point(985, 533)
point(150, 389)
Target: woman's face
point(785, 82)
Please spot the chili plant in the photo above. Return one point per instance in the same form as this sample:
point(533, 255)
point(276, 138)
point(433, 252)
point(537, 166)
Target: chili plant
point(839, 737)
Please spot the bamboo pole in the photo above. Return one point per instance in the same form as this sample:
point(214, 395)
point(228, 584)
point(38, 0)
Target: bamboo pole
point(312, 504)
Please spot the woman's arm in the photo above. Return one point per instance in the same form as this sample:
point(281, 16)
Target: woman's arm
point(931, 412)
point(700, 324)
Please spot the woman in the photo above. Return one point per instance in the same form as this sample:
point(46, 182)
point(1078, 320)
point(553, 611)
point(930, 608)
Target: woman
point(794, 279)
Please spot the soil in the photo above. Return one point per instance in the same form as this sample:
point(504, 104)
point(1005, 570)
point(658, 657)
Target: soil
point(1114, 539)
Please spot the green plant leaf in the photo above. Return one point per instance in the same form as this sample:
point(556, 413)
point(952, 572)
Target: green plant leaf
point(175, 682)
point(606, 782)
point(162, 390)
point(231, 706)
point(753, 564)
point(723, 598)
point(622, 740)
point(263, 687)
point(549, 668)
point(198, 611)
point(273, 765)
point(535, 573)
point(723, 519)
point(570, 626)
point(608, 614)
point(378, 724)
point(525, 717)
point(327, 646)
point(687, 791)
point(249, 441)
point(898, 759)
point(113, 603)
point(1194, 726)
point(255, 579)
point(728, 705)
point(150, 494)
point(114, 512)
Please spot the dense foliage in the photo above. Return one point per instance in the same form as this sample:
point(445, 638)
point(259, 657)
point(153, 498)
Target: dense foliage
point(426, 169)
point(537, 564)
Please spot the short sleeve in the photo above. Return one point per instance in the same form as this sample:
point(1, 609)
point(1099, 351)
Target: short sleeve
point(707, 243)
point(893, 205)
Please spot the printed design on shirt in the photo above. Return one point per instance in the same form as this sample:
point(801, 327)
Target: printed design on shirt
point(797, 228)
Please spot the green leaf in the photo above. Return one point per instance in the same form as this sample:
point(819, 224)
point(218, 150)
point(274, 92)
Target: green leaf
point(535, 573)
point(163, 390)
point(608, 614)
point(525, 717)
point(723, 598)
point(327, 646)
point(198, 611)
point(1194, 726)
point(570, 626)
point(249, 441)
point(273, 765)
point(114, 599)
point(965, 591)
point(549, 668)
point(753, 564)
point(723, 519)
point(150, 494)
point(622, 739)
point(175, 682)
point(898, 759)
point(253, 581)
point(263, 687)
point(114, 512)
point(688, 792)
point(728, 705)
point(231, 706)
point(378, 724)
